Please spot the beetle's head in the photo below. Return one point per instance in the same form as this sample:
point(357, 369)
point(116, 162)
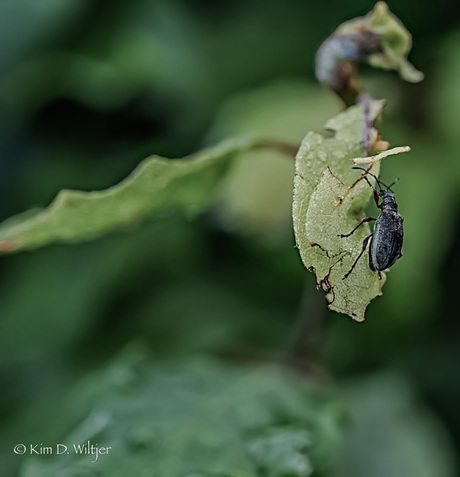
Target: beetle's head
point(384, 194)
point(388, 200)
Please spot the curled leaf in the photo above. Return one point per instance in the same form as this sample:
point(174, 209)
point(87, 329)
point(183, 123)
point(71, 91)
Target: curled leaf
point(378, 38)
point(329, 201)
point(396, 42)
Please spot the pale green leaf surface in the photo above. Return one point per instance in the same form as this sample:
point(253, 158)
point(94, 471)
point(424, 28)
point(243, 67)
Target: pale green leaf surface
point(156, 184)
point(329, 200)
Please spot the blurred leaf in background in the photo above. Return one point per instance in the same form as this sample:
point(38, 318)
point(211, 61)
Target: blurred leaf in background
point(197, 419)
point(157, 184)
point(257, 193)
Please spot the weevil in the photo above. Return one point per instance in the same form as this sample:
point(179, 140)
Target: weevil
point(387, 238)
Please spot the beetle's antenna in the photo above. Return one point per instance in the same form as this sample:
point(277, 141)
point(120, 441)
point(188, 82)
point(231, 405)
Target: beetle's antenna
point(367, 180)
point(370, 185)
point(392, 184)
point(379, 182)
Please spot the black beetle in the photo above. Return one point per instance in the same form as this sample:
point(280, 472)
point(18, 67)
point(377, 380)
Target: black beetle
point(387, 238)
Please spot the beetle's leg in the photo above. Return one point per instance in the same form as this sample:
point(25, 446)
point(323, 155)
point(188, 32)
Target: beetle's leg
point(365, 242)
point(369, 219)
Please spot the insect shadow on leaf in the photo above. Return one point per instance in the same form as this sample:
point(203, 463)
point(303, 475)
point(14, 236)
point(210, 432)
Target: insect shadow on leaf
point(387, 238)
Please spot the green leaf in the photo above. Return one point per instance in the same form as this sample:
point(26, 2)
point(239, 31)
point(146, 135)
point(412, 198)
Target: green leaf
point(396, 42)
point(378, 38)
point(393, 36)
point(199, 419)
point(157, 184)
point(329, 200)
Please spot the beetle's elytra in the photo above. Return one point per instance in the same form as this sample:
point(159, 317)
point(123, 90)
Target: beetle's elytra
point(387, 238)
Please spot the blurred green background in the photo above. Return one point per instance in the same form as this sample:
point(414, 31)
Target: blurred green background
point(88, 89)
